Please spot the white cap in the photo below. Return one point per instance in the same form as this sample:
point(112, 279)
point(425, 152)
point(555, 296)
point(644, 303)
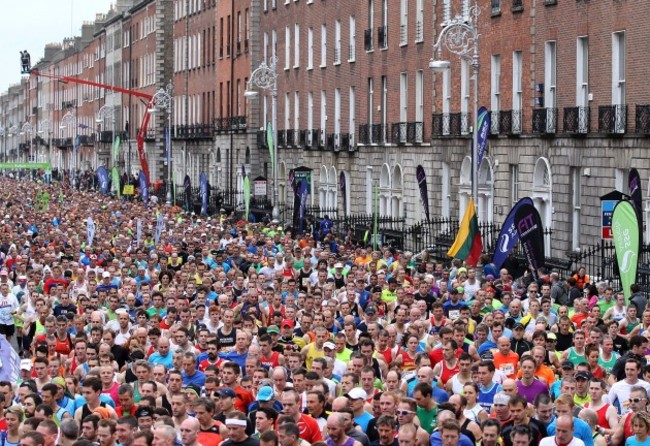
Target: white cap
point(357, 394)
point(338, 265)
point(106, 274)
point(26, 364)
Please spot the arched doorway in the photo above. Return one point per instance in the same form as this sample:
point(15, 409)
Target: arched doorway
point(542, 195)
point(384, 191)
point(397, 202)
point(323, 182)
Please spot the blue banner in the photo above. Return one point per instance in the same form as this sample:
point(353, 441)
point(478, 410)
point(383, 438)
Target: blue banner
point(102, 179)
point(168, 145)
point(424, 193)
point(508, 237)
point(205, 193)
point(303, 191)
point(483, 128)
point(144, 190)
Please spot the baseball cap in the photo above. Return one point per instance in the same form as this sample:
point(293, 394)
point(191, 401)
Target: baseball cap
point(357, 393)
point(501, 399)
point(370, 309)
point(26, 364)
point(338, 265)
point(288, 322)
point(329, 345)
point(551, 336)
point(273, 329)
point(518, 326)
point(567, 365)
point(192, 388)
point(228, 393)
point(59, 381)
point(265, 394)
point(106, 274)
point(143, 411)
point(583, 375)
point(4, 272)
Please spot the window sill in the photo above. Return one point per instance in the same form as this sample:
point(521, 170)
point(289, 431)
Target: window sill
point(295, 67)
point(403, 44)
point(323, 66)
point(352, 60)
point(337, 63)
point(417, 42)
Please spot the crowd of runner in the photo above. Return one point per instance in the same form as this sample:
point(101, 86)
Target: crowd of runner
point(228, 332)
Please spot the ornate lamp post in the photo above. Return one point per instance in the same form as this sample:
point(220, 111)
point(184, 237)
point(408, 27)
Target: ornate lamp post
point(265, 77)
point(107, 112)
point(162, 100)
point(27, 130)
point(460, 37)
point(67, 121)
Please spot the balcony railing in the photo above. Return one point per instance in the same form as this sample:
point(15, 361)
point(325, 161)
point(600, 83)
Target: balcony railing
point(510, 122)
point(345, 141)
point(230, 123)
point(419, 31)
point(193, 132)
point(282, 138)
point(545, 121)
point(331, 139)
point(415, 132)
point(403, 34)
point(322, 139)
point(291, 138)
point(643, 119)
point(315, 138)
point(576, 120)
point(382, 34)
point(261, 139)
point(612, 119)
point(364, 134)
point(378, 133)
point(302, 138)
point(398, 133)
point(367, 40)
point(494, 122)
point(106, 136)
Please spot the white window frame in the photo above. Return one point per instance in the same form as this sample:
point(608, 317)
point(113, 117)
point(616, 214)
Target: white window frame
point(287, 111)
point(550, 74)
point(495, 82)
point(352, 118)
point(514, 183)
point(337, 115)
point(517, 89)
point(618, 68)
point(287, 47)
point(323, 46)
point(403, 96)
point(310, 113)
point(446, 100)
point(323, 109)
point(371, 95)
point(296, 110)
point(352, 56)
point(310, 48)
point(337, 42)
point(419, 21)
point(296, 45)
point(464, 94)
point(582, 71)
point(576, 199)
point(404, 23)
point(419, 96)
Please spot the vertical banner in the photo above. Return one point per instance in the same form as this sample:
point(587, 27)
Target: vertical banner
point(90, 231)
point(168, 145)
point(295, 218)
point(634, 184)
point(102, 179)
point(205, 193)
point(468, 244)
point(508, 237)
point(138, 231)
point(270, 142)
point(144, 190)
point(375, 226)
point(116, 150)
point(625, 229)
point(160, 227)
point(343, 188)
point(424, 193)
point(483, 128)
point(531, 233)
point(247, 197)
point(303, 191)
point(187, 185)
point(116, 182)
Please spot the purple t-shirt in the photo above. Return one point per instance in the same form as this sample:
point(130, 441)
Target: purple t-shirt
point(530, 392)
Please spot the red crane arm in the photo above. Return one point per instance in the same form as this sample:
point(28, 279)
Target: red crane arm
point(142, 132)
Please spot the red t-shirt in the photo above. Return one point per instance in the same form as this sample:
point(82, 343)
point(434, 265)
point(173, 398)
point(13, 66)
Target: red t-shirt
point(309, 429)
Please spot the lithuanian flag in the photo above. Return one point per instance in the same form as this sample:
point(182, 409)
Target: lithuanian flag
point(468, 245)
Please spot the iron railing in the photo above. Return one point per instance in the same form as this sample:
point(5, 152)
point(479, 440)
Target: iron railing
point(494, 122)
point(364, 134)
point(282, 138)
point(545, 121)
point(378, 133)
point(576, 120)
point(643, 119)
point(414, 132)
point(291, 138)
point(510, 122)
point(612, 119)
point(367, 40)
point(398, 133)
point(230, 123)
point(382, 35)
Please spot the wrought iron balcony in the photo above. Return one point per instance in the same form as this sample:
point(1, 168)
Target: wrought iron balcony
point(282, 141)
point(455, 124)
point(331, 139)
point(322, 139)
point(86, 140)
point(291, 138)
point(378, 134)
point(230, 123)
point(193, 132)
point(643, 119)
point(382, 34)
point(367, 40)
point(302, 138)
point(261, 139)
point(612, 119)
point(576, 120)
point(315, 138)
point(494, 122)
point(436, 125)
point(346, 140)
point(510, 122)
point(364, 134)
point(415, 132)
point(398, 133)
point(545, 121)
point(106, 136)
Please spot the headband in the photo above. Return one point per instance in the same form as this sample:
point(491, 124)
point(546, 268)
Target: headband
point(235, 422)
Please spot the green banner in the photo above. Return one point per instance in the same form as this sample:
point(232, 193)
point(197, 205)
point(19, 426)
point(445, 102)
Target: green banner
point(18, 166)
point(625, 230)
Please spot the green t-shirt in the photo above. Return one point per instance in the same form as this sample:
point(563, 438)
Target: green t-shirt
point(604, 305)
point(428, 419)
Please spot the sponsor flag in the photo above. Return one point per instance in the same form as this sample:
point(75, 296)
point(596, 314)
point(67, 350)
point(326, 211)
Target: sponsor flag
point(634, 184)
point(247, 197)
point(343, 187)
point(138, 231)
point(102, 179)
point(468, 244)
point(160, 227)
point(116, 182)
point(625, 230)
point(144, 190)
point(483, 128)
point(531, 234)
point(508, 237)
point(187, 185)
point(205, 193)
point(116, 149)
point(303, 191)
point(424, 193)
point(90, 231)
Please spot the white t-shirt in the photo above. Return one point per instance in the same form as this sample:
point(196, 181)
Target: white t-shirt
point(621, 391)
point(8, 304)
point(550, 441)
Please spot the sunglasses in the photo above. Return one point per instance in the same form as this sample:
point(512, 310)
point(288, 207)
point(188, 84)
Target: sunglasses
point(404, 412)
point(636, 400)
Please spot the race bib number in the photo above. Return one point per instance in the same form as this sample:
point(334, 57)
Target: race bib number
point(508, 369)
point(454, 314)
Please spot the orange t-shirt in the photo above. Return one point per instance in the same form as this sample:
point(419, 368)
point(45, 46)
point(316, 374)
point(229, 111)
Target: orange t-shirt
point(507, 363)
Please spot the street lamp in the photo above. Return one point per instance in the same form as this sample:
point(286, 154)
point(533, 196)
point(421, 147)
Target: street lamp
point(162, 100)
point(460, 37)
point(46, 127)
point(265, 77)
point(26, 131)
point(107, 112)
point(68, 121)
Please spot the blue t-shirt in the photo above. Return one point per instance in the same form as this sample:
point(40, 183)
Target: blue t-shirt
point(167, 361)
point(198, 378)
point(363, 420)
point(581, 430)
point(632, 441)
